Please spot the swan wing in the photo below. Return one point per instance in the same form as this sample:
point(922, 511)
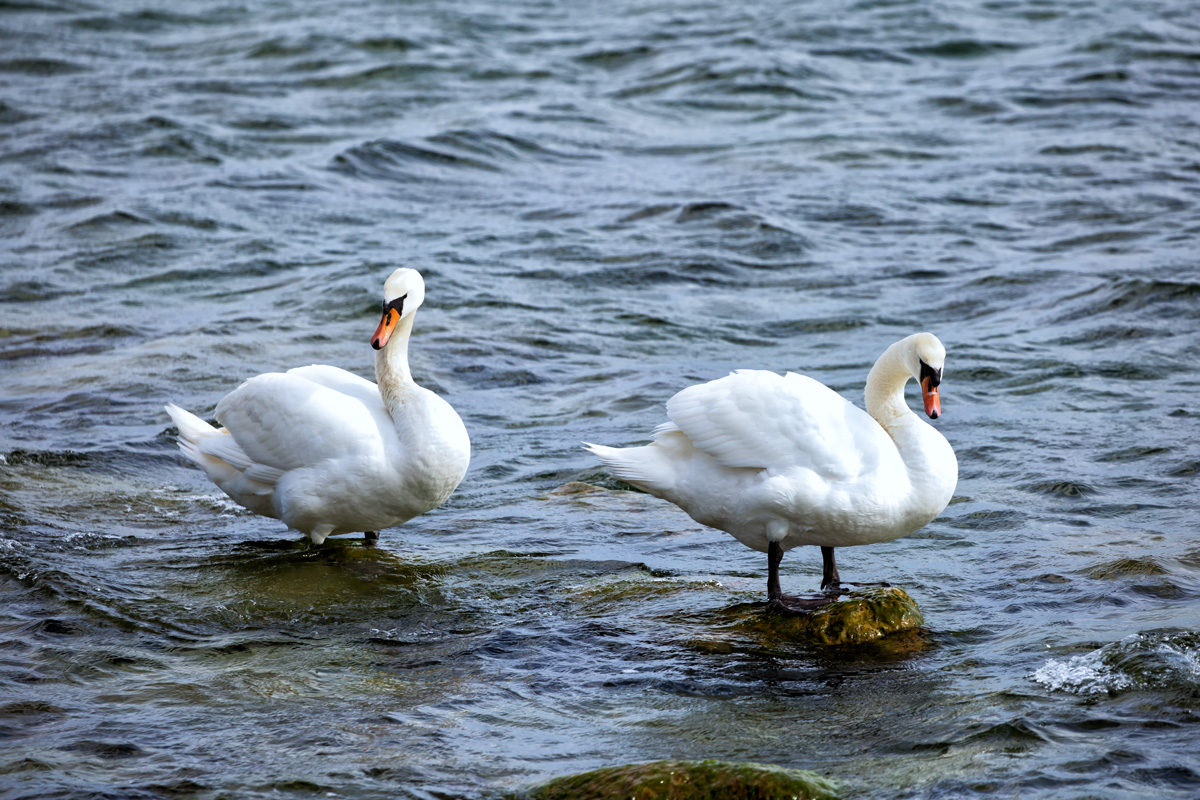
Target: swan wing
point(339, 380)
point(762, 420)
point(285, 421)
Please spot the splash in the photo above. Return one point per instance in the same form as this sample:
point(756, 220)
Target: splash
point(1149, 661)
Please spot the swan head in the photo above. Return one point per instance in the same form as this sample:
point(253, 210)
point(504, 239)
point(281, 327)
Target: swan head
point(926, 360)
point(403, 292)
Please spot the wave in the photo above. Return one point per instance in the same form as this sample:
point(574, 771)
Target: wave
point(1134, 298)
point(40, 67)
point(445, 155)
point(21, 344)
point(1144, 661)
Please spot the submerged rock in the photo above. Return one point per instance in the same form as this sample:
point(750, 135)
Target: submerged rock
point(689, 780)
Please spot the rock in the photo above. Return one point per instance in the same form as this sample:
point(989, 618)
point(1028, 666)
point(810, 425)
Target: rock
point(868, 614)
point(574, 488)
point(865, 615)
point(610, 594)
point(689, 780)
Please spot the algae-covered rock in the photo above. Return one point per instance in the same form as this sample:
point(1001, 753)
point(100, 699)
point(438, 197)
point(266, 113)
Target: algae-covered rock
point(864, 615)
point(689, 780)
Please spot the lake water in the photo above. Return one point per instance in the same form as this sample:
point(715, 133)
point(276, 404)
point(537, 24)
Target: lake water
point(608, 202)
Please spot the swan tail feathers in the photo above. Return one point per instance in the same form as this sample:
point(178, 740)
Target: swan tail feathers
point(216, 452)
point(636, 465)
point(192, 430)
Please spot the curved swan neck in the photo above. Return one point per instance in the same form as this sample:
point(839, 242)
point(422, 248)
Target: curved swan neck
point(884, 393)
point(391, 365)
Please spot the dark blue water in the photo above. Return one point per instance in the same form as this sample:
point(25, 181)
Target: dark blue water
point(608, 203)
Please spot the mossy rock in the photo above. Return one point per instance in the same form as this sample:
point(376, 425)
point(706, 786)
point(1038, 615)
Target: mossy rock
point(865, 615)
point(689, 780)
point(574, 489)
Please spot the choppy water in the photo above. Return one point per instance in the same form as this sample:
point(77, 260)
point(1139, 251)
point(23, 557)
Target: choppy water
point(608, 203)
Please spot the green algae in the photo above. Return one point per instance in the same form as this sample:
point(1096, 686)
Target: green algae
point(865, 615)
point(689, 780)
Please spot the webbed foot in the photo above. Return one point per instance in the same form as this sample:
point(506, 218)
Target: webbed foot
point(837, 587)
point(792, 605)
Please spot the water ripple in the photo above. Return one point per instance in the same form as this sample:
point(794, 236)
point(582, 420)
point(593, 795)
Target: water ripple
point(608, 204)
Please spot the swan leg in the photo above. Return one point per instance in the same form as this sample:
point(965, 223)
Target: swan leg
point(790, 605)
point(774, 556)
point(829, 579)
point(371, 536)
point(830, 582)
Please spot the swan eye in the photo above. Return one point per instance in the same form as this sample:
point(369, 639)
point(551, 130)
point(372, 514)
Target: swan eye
point(396, 305)
point(934, 375)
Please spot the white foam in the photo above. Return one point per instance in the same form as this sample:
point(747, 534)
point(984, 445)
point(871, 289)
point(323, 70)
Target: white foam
point(1154, 660)
point(1084, 674)
point(1184, 662)
point(221, 501)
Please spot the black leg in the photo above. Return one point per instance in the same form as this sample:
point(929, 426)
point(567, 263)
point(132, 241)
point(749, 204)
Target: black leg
point(774, 556)
point(831, 583)
point(829, 579)
point(789, 605)
point(371, 536)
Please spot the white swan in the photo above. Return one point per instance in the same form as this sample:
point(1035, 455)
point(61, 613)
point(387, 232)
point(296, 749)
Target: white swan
point(328, 452)
point(780, 461)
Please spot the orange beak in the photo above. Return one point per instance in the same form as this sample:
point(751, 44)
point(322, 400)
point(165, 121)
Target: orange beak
point(933, 405)
point(386, 325)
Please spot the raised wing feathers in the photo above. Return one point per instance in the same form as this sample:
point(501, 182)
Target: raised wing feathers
point(285, 421)
point(758, 419)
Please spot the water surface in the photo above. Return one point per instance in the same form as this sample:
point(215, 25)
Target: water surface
point(608, 204)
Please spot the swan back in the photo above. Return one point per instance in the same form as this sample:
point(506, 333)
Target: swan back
point(761, 420)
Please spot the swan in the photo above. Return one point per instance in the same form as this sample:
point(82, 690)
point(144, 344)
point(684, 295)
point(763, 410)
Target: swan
point(780, 461)
point(328, 452)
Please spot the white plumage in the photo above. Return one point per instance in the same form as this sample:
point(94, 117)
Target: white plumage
point(328, 452)
point(782, 461)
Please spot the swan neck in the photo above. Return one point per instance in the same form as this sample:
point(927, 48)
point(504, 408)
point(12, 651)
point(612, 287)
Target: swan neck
point(885, 387)
point(391, 365)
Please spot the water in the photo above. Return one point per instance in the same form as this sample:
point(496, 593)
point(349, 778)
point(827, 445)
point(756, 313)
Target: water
point(608, 203)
